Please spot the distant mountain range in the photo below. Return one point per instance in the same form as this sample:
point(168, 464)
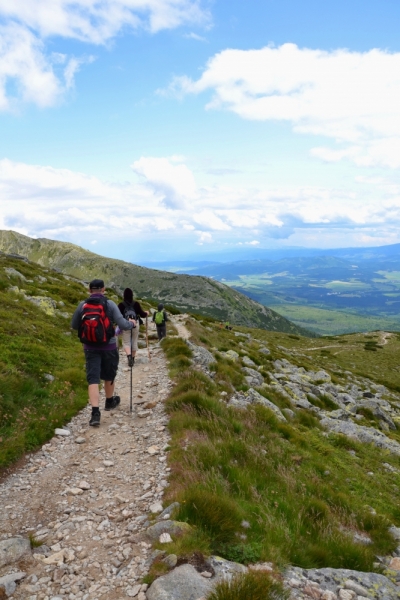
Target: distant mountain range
point(196, 294)
point(329, 291)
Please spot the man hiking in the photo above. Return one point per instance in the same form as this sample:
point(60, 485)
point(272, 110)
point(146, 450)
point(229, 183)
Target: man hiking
point(160, 319)
point(94, 319)
point(130, 308)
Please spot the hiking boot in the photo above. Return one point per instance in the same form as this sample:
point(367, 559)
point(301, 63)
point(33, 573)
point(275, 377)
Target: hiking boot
point(95, 419)
point(112, 403)
point(131, 361)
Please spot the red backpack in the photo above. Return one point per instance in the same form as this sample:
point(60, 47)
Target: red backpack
point(95, 327)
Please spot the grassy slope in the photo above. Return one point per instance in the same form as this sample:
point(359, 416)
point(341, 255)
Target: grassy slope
point(34, 344)
point(193, 294)
point(333, 322)
point(258, 489)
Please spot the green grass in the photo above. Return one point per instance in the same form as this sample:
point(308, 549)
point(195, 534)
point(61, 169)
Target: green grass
point(257, 489)
point(250, 586)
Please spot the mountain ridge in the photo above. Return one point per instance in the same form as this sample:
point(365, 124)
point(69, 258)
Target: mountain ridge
point(186, 292)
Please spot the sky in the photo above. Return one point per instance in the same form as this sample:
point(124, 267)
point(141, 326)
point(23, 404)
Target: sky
point(160, 129)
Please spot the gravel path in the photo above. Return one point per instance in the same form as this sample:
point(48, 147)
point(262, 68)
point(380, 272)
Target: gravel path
point(87, 495)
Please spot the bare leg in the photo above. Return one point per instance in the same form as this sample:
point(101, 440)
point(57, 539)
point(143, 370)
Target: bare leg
point(94, 395)
point(109, 388)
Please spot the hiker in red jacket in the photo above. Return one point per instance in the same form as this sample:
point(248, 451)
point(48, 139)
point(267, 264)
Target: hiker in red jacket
point(94, 320)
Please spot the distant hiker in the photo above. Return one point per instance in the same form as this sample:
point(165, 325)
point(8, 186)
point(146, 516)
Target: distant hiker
point(160, 318)
point(131, 310)
point(94, 319)
point(227, 326)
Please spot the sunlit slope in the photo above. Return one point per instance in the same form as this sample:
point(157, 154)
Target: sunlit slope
point(193, 294)
point(42, 375)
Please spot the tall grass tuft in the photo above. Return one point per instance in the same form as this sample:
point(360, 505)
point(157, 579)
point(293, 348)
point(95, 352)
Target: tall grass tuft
point(250, 586)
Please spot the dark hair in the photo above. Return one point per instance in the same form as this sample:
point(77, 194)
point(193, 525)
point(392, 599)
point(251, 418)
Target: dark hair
point(160, 306)
point(128, 295)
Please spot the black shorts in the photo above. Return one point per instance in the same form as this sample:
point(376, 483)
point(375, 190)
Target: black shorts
point(101, 365)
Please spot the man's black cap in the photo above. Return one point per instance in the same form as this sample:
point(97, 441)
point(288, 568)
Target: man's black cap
point(96, 284)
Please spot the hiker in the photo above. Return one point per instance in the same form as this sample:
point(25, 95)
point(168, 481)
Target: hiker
point(129, 308)
point(94, 319)
point(160, 319)
point(227, 326)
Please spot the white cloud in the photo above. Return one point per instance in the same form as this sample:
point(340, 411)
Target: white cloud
point(204, 237)
point(97, 22)
point(169, 178)
point(350, 97)
point(42, 201)
point(25, 25)
point(195, 36)
point(22, 61)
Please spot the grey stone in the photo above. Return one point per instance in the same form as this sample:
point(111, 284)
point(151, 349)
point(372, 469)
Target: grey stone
point(13, 549)
point(378, 586)
point(395, 531)
point(62, 432)
point(322, 376)
point(231, 354)
point(367, 435)
point(171, 560)
point(14, 273)
point(264, 350)
point(253, 377)
point(288, 412)
point(174, 528)
point(201, 356)
point(379, 409)
point(248, 362)
point(243, 399)
point(8, 582)
point(226, 569)
point(183, 583)
point(169, 510)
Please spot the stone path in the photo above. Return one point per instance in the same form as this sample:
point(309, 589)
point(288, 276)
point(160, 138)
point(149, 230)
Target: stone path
point(180, 327)
point(86, 496)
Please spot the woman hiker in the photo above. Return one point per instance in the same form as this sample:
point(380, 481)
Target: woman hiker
point(129, 307)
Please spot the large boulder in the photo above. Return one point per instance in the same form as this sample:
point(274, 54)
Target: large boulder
point(183, 583)
point(174, 528)
point(186, 583)
point(363, 585)
point(243, 399)
point(201, 356)
point(253, 377)
point(13, 549)
point(367, 435)
point(8, 583)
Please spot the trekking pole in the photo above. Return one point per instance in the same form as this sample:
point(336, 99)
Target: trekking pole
point(131, 373)
point(147, 340)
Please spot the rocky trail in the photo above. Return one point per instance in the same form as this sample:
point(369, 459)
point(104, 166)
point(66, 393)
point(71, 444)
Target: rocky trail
point(86, 496)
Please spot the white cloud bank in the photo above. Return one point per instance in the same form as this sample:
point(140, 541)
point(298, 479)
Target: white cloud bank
point(351, 97)
point(25, 25)
point(61, 204)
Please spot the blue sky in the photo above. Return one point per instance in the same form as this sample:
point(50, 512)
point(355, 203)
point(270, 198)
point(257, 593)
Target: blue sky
point(157, 129)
